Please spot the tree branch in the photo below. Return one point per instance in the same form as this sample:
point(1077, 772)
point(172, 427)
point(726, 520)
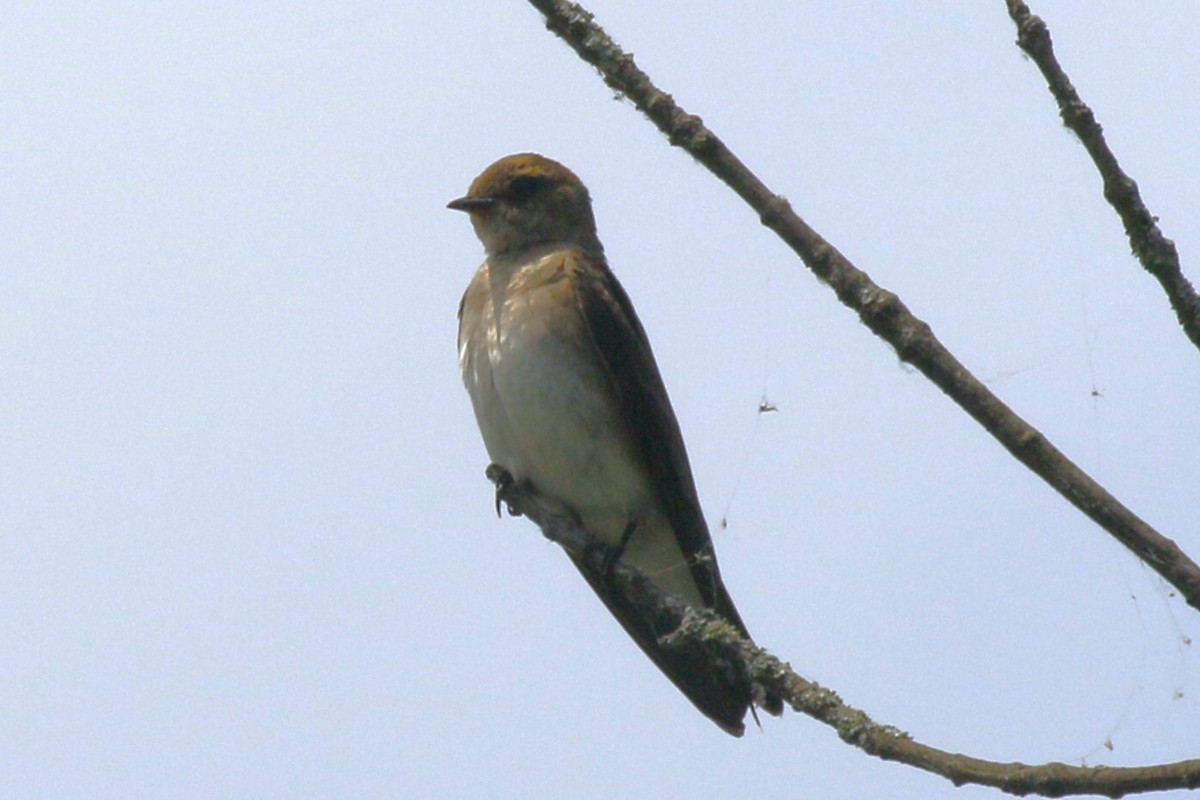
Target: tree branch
point(880, 310)
point(1156, 252)
point(701, 630)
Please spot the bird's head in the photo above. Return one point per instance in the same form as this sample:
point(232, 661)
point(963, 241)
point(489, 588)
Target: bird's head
point(526, 200)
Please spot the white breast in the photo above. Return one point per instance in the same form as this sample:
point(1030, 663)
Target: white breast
point(543, 406)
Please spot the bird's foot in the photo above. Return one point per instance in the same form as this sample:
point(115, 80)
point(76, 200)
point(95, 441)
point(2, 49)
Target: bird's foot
point(506, 488)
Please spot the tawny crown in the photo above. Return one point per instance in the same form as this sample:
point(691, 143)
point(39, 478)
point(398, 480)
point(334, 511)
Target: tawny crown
point(526, 200)
point(518, 169)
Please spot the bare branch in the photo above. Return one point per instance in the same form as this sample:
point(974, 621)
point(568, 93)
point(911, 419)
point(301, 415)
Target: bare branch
point(1156, 252)
point(701, 630)
point(880, 310)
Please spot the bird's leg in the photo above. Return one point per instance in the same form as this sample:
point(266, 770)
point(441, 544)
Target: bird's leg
point(613, 553)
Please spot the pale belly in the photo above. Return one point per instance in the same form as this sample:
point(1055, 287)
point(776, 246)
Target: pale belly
point(545, 415)
point(544, 409)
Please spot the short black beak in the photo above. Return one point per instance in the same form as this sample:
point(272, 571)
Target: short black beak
point(470, 203)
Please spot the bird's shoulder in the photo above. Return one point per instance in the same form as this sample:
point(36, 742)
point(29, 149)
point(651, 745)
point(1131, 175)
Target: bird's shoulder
point(566, 283)
point(560, 283)
point(562, 268)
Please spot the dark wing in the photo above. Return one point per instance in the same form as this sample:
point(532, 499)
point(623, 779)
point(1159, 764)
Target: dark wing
point(718, 690)
point(624, 350)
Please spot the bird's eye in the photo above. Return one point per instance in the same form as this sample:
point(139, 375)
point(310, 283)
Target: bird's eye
point(523, 187)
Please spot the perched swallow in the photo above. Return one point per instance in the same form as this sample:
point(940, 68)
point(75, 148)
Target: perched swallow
point(569, 399)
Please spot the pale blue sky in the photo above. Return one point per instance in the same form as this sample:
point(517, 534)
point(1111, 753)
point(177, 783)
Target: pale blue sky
point(246, 545)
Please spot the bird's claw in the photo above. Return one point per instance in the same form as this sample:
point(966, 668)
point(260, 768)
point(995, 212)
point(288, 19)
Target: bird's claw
point(505, 484)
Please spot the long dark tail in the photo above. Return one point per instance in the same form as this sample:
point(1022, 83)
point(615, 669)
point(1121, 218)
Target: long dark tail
point(719, 689)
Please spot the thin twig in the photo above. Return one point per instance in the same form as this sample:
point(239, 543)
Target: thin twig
point(880, 310)
point(702, 630)
point(1156, 252)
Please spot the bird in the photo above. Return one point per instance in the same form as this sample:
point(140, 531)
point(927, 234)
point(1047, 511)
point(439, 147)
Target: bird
point(570, 402)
